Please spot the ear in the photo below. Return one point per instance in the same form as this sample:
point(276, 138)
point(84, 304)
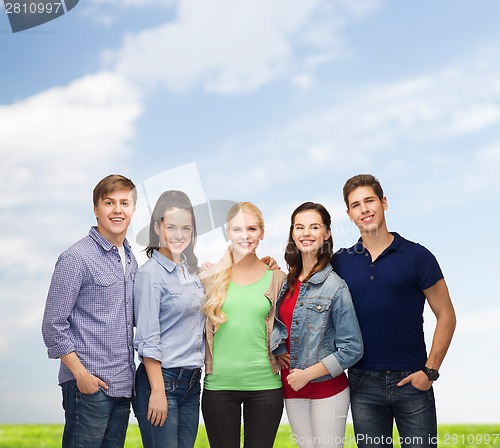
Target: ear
point(348, 214)
point(95, 211)
point(157, 228)
point(385, 203)
point(262, 235)
point(328, 234)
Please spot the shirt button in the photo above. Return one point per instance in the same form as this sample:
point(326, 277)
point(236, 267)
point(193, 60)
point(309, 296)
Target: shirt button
point(297, 322)
point(295, 358)
point(296, 340)
point(371, 277)
point(366, 254)
point(301, 303)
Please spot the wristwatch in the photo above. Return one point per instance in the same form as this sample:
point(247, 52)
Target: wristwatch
point(432, 374)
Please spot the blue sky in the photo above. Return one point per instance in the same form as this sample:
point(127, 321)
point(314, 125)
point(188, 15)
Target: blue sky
point(273, 102)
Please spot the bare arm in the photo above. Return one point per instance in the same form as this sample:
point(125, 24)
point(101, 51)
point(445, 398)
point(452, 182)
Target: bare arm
point(158, 405)
point(86, 382)
point(298, 378)
point(442, 307)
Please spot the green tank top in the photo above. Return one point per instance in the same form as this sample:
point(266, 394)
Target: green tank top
point(240, 353)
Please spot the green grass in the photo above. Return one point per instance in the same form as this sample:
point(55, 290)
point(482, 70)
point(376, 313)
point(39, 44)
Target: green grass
point(49, 436)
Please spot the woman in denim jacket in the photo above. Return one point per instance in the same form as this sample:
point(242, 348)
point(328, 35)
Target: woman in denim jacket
point(316, 334)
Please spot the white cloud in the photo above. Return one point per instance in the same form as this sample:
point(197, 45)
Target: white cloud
point(429, 117)
point(50, 141)
point(226, 46)
point(54, 147)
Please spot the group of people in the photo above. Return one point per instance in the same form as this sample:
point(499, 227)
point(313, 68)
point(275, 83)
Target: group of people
point(265, 339)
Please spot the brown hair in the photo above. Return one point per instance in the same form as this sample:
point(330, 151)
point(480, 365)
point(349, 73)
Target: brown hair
point(362, 180)
point(293, 257)
point(168, 200)
point(111, 183)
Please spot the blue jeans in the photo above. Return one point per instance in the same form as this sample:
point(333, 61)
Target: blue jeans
point(93, 421)
point(377, 401)
point(182, 387)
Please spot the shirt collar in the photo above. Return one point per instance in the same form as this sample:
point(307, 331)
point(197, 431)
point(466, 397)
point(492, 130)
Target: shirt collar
point(320, 276)
point(168, 264)
point(103, 242)
point(398, 244)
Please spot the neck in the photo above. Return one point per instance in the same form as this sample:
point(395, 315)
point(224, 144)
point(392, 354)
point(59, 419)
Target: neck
point(166, 253)
point(308, 262)
point(115, 240)
point(377, 242)
point(245, 262)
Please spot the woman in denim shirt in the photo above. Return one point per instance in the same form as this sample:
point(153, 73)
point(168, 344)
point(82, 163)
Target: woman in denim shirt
point(169, 339)
point(316, 336)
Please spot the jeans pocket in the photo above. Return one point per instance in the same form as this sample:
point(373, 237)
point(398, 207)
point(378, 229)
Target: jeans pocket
point(355, 379)
point(93, 395)
point(170, 386)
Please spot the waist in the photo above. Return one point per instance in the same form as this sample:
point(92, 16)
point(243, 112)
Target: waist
point(382, 373)
point(176, 373)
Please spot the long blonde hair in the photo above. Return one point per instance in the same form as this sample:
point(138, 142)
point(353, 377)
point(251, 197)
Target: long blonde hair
point(216, 279)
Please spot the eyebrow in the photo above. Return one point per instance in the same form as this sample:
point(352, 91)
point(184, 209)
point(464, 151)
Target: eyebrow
point(312, 224)
point(364, 199)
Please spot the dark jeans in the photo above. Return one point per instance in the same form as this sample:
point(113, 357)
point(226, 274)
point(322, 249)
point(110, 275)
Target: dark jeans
point(262, 412)
point(377, 401)
point(93, 421)
point(182, 387)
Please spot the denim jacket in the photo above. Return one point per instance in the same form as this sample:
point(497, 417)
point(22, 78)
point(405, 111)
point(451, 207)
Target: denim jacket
point(324, 326)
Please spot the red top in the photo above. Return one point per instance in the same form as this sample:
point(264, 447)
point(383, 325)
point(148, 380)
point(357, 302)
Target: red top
point(312, 390)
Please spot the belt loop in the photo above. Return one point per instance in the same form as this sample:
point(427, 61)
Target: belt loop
point(181, 371)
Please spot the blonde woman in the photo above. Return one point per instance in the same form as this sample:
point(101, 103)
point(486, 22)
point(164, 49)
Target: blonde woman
point(241, 372)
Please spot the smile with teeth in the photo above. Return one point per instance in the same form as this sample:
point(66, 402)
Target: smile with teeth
point(177, 243)
point(306, 242)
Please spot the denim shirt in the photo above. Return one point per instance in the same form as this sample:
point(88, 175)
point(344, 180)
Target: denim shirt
point(324, 326)
point(167, 307)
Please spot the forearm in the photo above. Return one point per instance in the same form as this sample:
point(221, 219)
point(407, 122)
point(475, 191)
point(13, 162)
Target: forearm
point(73, 363)
point(155, 375)
point(316, 371)
point(441, 340)
point(439, 300)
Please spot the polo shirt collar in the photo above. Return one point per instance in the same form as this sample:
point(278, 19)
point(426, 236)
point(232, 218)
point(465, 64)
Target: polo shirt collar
point(398, 244)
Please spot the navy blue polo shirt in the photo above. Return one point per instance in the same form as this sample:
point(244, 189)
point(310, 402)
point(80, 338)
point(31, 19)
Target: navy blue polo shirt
point(389, 301)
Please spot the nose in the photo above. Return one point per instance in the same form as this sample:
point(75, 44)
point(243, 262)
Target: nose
point(117, 209)
point(363, 208)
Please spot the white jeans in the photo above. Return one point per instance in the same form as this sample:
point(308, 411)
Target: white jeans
point(319, 422)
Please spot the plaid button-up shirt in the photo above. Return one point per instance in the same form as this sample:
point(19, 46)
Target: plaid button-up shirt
point(89, 311)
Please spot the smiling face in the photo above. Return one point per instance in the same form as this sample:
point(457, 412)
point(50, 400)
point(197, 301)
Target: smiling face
point(309, 232)
point(175, 231)
point(244, 232)
point(114, 212)
point(366, 210)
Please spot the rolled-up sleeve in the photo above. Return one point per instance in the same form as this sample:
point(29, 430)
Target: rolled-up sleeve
point(61, 298)
point(348, 339)
point(146, 312)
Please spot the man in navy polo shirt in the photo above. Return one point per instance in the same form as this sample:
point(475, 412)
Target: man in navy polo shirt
point(390, 278)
